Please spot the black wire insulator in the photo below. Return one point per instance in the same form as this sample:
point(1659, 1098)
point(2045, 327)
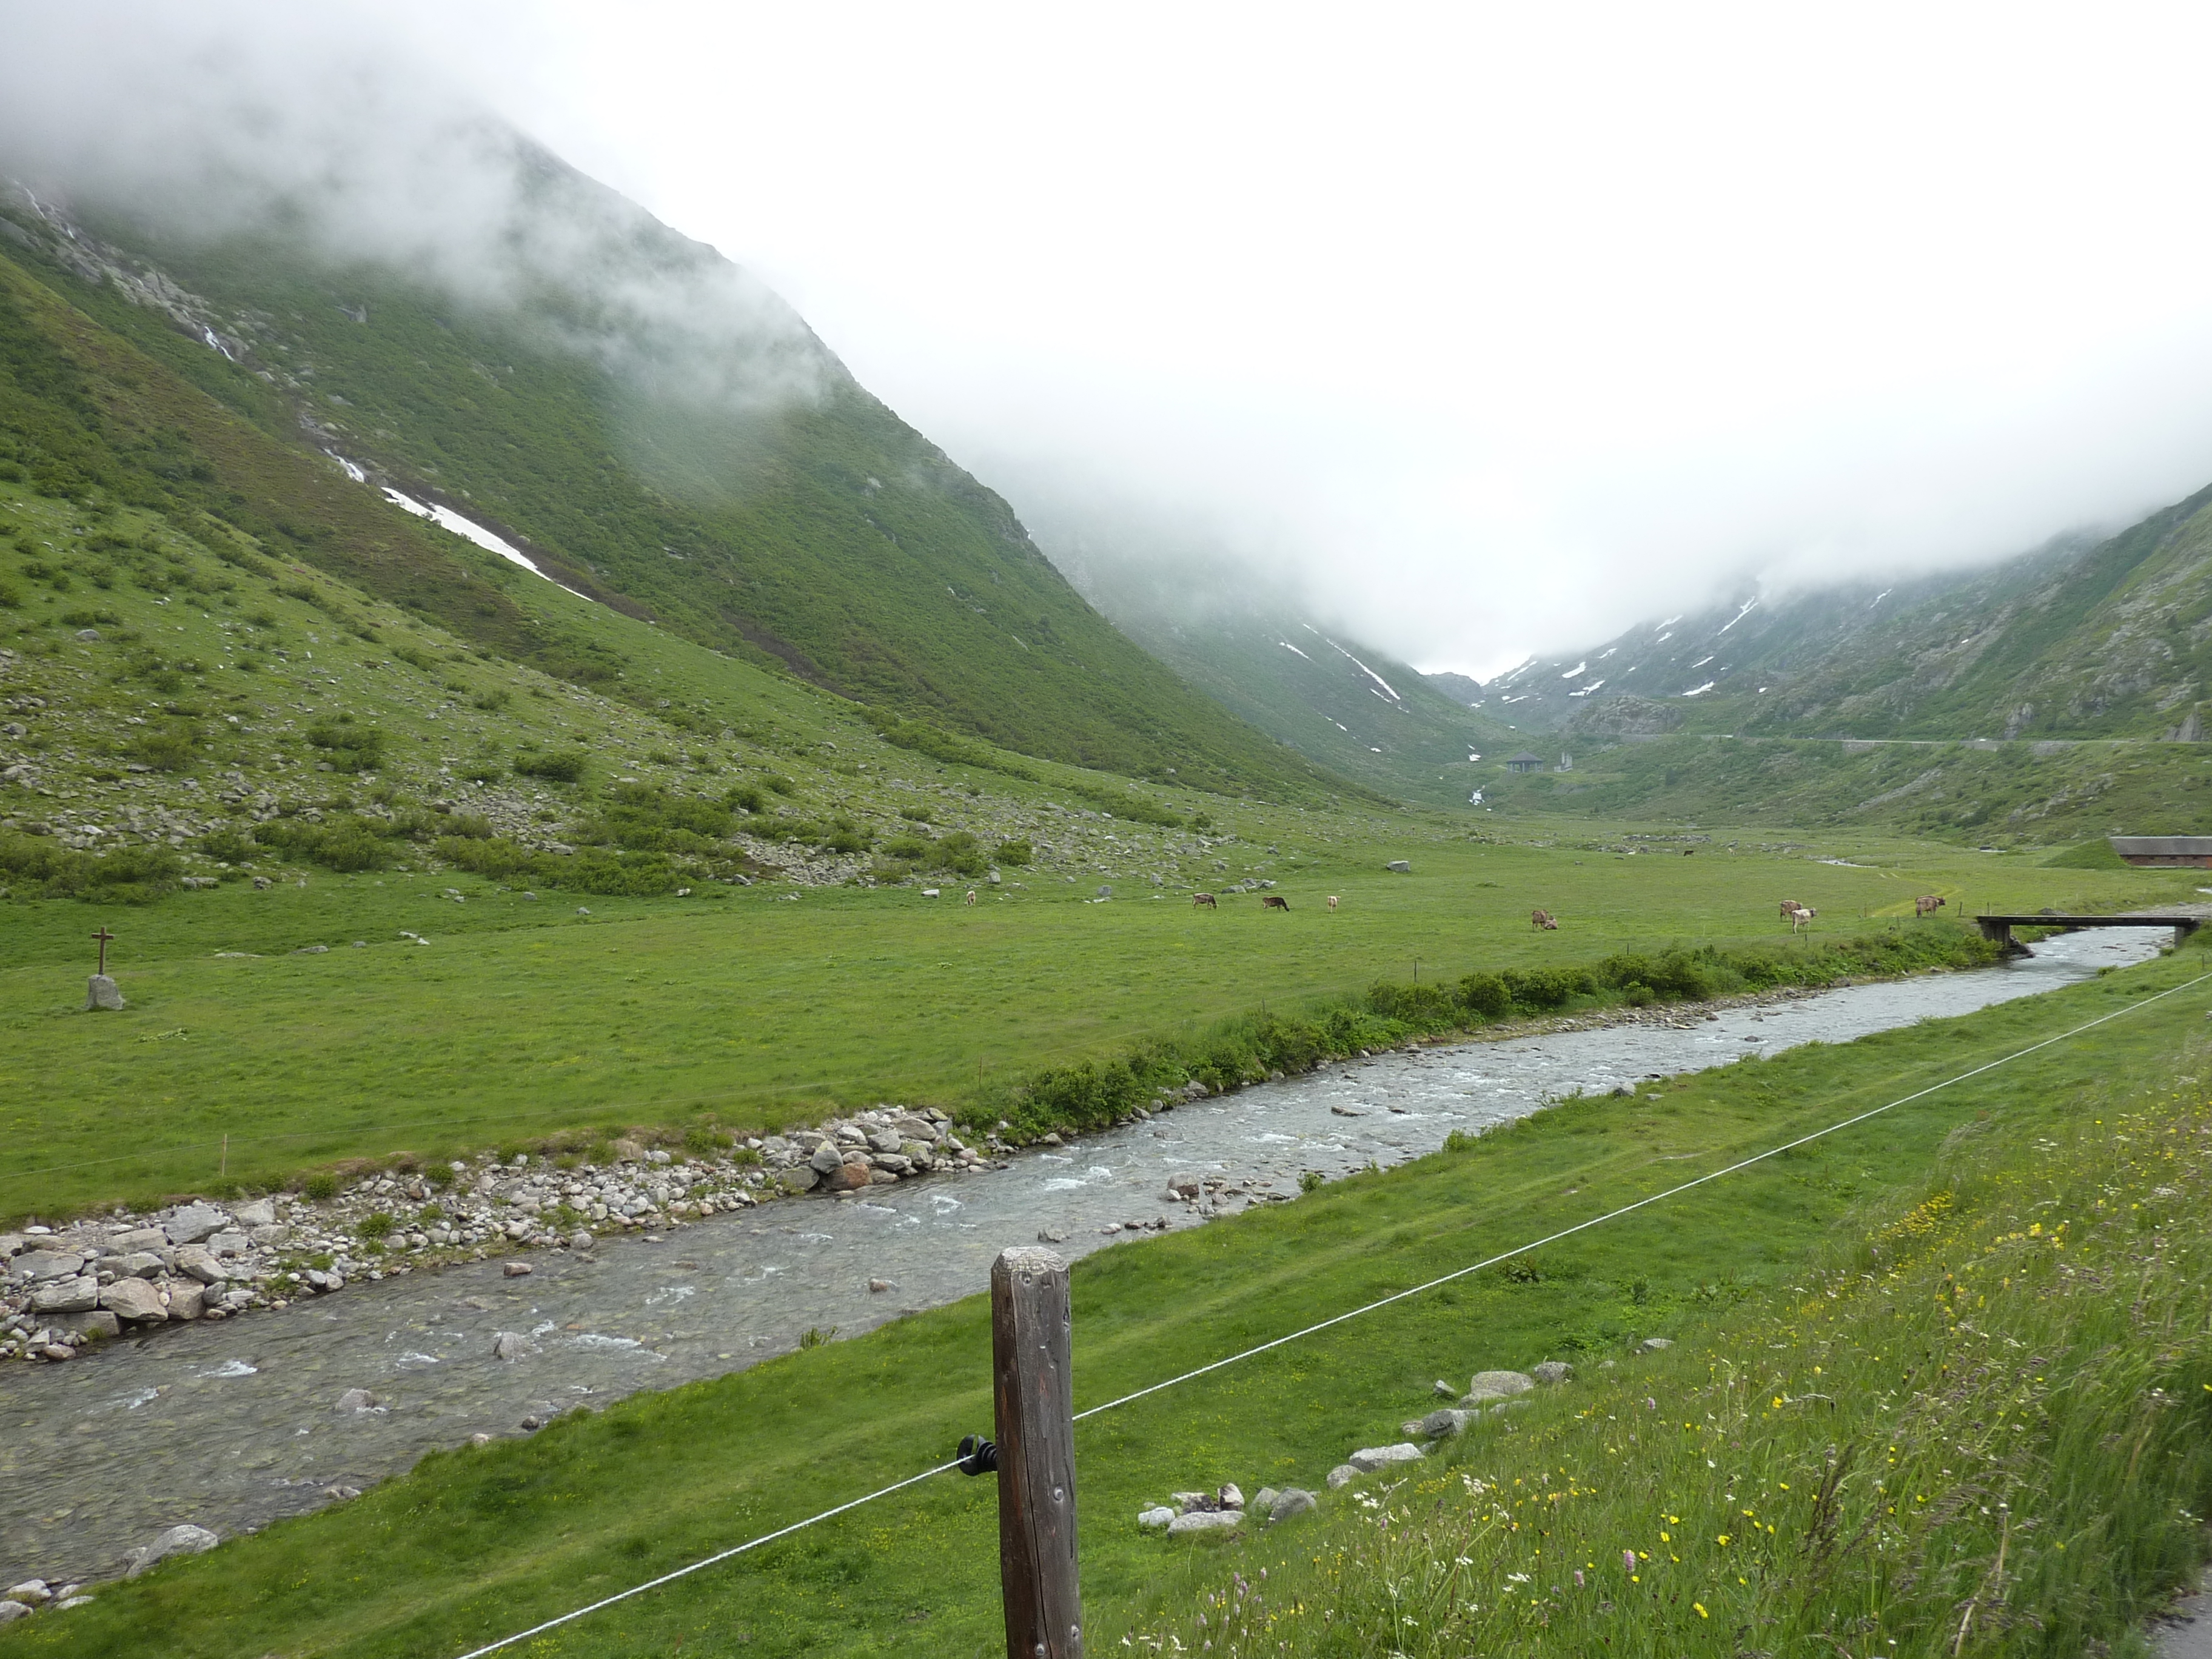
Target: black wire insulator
point(978, 1456)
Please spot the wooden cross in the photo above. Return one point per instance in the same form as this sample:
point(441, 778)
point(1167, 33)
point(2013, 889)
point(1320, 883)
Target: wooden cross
point(103, 936)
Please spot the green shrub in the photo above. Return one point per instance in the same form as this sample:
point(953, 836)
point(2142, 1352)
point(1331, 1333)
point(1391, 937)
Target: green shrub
point(1542, 989)
point(349, 747)
point(1015, 853)
point(1485, 995)
point(959, 852)
point(566, 766)
point(321, 1187)
point(745, 798)
point(166, 748)
point(378, 1224)
point(227, 846)
point(40, 866)
point(911, 850)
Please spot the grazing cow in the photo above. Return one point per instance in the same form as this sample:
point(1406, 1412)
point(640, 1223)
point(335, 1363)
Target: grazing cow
point(1206, 899)
point(970, 899)
point(1790, 907)
point(1274, 902)
point(1545, 920)
point(1332, 900)
point(1800, 915)
point(1927, 904)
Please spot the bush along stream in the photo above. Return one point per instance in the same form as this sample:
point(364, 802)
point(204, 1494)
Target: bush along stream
point(1263, 1047)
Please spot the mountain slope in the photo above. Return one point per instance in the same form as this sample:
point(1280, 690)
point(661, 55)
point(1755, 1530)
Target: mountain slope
point(1360, 714)
point(2072, 642)
point(650, 427)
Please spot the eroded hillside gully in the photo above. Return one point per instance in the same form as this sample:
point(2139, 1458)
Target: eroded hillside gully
point(230, 1425)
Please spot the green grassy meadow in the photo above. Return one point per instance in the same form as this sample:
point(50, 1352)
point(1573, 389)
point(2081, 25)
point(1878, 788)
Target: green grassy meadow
point(474, 1544)
point(522, 1018)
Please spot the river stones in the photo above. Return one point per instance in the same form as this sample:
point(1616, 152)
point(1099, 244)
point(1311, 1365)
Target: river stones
point(178, 1540)
point(194, 1223)
point(198, 1262)
point(516, 1269)
point(510, 1345)
point(95, 1323)
point(260, 1213)
point(137, 1238)
point(355, 1400)
point(825, 1159)
point(36, 1265)
point(77, 1294)
point(132, 1300)
point(847, 1178)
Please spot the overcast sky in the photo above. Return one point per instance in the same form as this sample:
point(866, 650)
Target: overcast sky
point(1480, 329)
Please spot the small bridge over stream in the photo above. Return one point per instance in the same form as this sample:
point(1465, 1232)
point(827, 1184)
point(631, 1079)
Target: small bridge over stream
point(1998, 929)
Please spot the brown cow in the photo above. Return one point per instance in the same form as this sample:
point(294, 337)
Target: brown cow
point(1332, 900)
point(1274, 902)
point(1204, 899)
point(970, 899)
point(1790, 907)
point(1544, 919)
point(1927, 904)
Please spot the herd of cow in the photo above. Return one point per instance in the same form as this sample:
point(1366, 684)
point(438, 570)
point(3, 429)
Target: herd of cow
point(1797, 915)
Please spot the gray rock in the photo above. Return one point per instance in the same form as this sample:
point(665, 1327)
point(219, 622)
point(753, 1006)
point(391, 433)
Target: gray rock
point(1439, 1425)
point(40, 1264)
point(1503, 1384)
point(1264, 1499)
point(77, 1295)
point(1230, 1497)
point(197, 1261)
point(31, 1593)
point(1342, 1476)
point(1400, 866)
point(259, 1212)
point(516, 1269)
point(10, 1611)
point(1368, 1459)
point(137, 1238)
point(1552, 1372)
point(580, 1240)
point(1185, 1186)
point(275, 1234)
point(193, 1223)
point(187, 1298)
point(1207, 1521)
point(130, 1299)
point(1295, 1500)
point(1156, 1520)
point(88, 635)
point(100, 991)
point(95, 1323)
point(355, 1400)
point(826, 1159)
point(11, 1244)
point(1052, 1234)
point(141, 1264)
point(178, 1540)
point(69, 1602)
point(1443, 1390)
point(230, 1243)
point(510, 1345)
point(1655, 1344)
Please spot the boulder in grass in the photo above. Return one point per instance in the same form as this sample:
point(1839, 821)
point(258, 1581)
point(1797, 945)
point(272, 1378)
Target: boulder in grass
point(1342, 1476)
point(1295, 1500)
point(101, 992)
point(1206, 1520)
point(1655, 1344)
point(1441, 1425)
point(1503, 1385)
point(11, 1611)
point(1158, 1519)
point(1368, 1459)
point(1552, 1372)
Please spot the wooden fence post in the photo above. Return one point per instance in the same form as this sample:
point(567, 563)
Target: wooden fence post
point(1033, 1397)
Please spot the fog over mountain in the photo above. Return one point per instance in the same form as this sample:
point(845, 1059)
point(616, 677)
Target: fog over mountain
point(1478, 333)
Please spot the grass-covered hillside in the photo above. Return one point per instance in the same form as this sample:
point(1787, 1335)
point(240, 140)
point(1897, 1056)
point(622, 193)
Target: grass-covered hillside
point(714, 470)
point(2074, 641)
point(2019, 795)
point(1356, 711)
point(1953, 1356)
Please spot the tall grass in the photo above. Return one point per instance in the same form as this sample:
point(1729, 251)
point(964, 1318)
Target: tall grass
point(1983, 1430)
